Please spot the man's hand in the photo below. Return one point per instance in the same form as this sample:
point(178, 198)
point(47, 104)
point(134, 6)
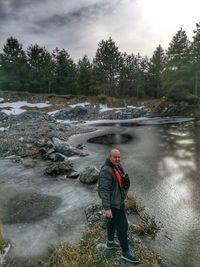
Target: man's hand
point(107, 213)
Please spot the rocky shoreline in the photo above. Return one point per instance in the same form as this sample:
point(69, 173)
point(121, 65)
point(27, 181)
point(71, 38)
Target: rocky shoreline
point(24, 133)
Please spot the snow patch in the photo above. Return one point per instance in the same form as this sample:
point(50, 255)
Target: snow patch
point(14, 108)
point(83, 104)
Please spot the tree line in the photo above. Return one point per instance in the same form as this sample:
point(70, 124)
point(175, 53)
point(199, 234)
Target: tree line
point(174, 73)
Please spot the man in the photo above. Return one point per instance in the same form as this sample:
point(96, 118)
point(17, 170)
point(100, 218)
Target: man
point(113, 187)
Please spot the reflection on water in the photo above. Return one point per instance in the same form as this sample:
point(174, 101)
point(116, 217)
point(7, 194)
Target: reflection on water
point(163, 162)
point(111, 139)
point(166, 178)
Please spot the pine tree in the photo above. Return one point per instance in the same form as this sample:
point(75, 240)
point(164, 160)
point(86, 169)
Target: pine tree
point(133, 75)
point(107, 64)
point(84, 75)
point(195, 59)
point(41, 68)
point(65, 72)
point(175, 76)
point(156, 66)
point(14, 66)
point(127, 81)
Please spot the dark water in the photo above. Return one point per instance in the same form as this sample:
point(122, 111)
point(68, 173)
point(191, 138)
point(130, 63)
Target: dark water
point(163, 163)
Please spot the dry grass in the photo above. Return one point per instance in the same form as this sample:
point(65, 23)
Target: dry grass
point(60, 101)
point(86, 253)
point(147, 226)
point(147, 257)
point(132, 206)
point(83, 254)
point(3, 242)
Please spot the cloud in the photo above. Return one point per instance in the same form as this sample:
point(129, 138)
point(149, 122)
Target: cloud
point(85, 13)
point(79, 25)
point(73, 25)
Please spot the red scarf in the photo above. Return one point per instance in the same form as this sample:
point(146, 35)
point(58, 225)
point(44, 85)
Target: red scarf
point(119, 178)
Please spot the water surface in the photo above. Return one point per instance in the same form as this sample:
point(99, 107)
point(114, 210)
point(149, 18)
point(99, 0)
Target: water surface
point(163, 163)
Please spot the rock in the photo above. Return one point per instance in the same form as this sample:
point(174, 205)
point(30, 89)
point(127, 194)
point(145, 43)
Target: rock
point(59, 168)
point(65, 149)
point(89, 175)
point(124, 113)
point(73, 175)
point(77, 113)
point(3, 129)
point(14, 158)
point(3, 116)
point(30, 116)
point(81, 114)
point(93, 213)
point(57, 157)
point(29, 163)
point(80, 146)
point(101, 246)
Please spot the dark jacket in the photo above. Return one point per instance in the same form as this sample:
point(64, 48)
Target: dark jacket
point(110, 193)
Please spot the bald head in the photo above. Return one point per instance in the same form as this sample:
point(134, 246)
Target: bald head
point(115, 156)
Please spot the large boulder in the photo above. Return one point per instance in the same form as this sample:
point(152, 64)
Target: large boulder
point(59, 168)
point(89, 175)
point(65, 149)
point(59, 150)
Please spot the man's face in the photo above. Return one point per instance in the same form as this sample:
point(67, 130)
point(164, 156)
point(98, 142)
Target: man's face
point(115, 157)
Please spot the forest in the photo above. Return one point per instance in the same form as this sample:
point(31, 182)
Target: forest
point(173, 73)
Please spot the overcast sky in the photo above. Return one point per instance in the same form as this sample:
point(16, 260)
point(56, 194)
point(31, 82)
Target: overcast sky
point(79, 25)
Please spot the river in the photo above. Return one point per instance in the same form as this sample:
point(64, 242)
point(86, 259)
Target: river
point(163, 163)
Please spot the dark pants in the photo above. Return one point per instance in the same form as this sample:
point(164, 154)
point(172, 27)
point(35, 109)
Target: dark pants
point(118, 222)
